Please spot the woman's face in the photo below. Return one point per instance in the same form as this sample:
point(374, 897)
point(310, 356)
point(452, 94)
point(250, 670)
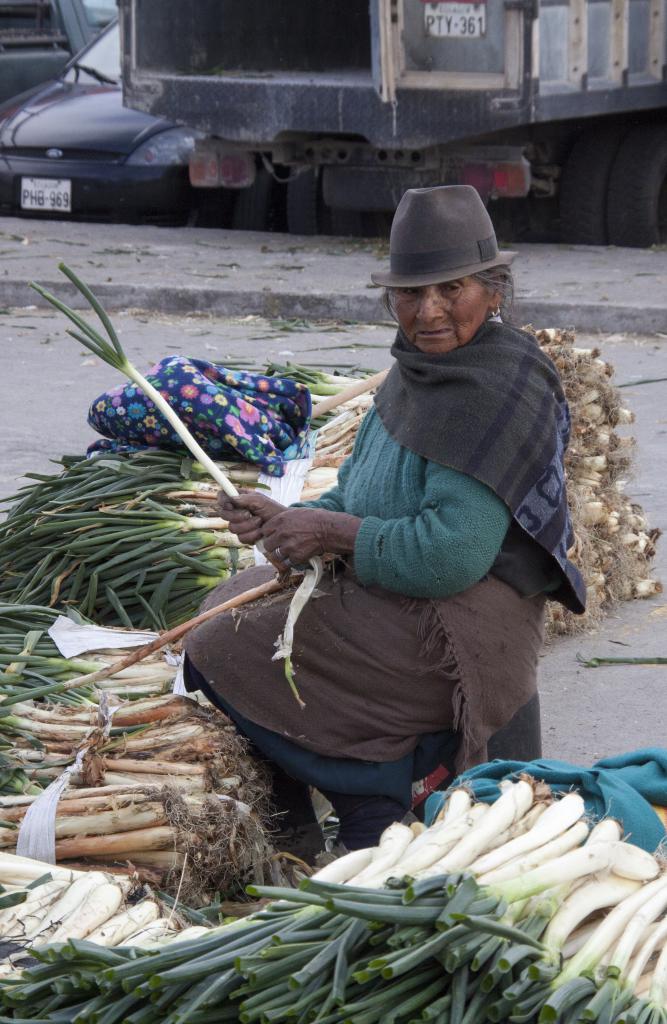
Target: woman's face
point(437, 318)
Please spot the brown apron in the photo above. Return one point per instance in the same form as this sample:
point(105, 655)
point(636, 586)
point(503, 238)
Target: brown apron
point(376, 670)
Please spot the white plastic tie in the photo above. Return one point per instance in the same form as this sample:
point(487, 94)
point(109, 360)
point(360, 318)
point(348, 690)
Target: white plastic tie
point(176, 660)
point(37, 834)
point(72, 638)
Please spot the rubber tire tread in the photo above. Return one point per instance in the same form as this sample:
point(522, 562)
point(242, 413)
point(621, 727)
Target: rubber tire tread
point(584, 186)
point(253, 204)
point(303, 203)
point(638, 176)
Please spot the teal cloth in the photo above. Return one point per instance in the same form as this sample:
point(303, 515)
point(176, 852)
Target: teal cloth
point(428, 531)
point(623, 787)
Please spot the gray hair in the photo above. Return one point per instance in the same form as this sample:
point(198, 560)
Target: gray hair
point(496, 279)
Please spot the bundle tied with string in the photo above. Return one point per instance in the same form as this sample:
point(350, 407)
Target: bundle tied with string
point(172, 792)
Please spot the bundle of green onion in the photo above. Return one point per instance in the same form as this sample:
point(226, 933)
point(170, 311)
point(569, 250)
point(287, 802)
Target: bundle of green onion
point(31, 665)
point(133, 539)
point(126, 540)
point(515, 936)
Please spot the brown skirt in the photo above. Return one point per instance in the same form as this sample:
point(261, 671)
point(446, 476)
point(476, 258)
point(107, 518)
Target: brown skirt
point(376, 670)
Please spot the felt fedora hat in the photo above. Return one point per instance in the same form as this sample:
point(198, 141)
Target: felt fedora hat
point(440, 234)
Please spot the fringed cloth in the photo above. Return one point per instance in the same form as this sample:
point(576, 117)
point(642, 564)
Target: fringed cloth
point(376, 670)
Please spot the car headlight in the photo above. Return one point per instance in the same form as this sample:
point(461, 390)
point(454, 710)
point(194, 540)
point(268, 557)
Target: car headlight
point(172, 146)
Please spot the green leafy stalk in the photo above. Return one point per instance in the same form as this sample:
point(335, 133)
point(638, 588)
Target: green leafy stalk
point(114, 355)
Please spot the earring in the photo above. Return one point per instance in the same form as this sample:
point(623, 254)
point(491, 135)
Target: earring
point(496, 311)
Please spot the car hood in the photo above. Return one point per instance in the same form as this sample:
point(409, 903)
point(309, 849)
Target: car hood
point(71, 116)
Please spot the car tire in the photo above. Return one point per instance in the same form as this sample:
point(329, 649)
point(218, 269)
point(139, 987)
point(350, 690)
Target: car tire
point(637, 202)
point(253, 204)
point(304, 203)
point(585, 184)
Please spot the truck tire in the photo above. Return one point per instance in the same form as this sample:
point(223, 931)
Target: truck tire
point(304, 203)
point(253, 204)
point(346, 223)
point(637, 210)
point(584, 186)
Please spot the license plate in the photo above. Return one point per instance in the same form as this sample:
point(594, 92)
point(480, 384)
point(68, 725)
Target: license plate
point(451, 19)
point(46, 194)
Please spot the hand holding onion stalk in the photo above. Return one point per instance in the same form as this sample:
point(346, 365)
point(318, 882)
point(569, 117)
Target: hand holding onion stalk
point(112, 352)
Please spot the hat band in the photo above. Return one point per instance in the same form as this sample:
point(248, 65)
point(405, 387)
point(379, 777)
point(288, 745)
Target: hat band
point(443, 259)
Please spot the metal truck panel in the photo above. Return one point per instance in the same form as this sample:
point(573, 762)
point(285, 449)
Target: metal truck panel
point(402, 72)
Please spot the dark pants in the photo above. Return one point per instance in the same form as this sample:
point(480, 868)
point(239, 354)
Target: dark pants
point(362, 817)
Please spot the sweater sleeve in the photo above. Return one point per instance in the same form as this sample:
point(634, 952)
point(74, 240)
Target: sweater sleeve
point(447, 547)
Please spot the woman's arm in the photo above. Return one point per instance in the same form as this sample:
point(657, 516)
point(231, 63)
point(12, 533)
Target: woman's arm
point(450, 545)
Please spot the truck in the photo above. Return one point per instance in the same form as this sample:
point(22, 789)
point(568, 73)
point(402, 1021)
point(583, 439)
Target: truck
point(555, 110)
point(38, 37)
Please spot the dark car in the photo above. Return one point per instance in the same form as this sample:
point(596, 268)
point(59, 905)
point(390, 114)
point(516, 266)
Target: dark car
point(70, 149)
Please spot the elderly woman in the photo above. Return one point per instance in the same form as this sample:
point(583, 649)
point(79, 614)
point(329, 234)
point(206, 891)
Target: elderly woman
point(450, 528)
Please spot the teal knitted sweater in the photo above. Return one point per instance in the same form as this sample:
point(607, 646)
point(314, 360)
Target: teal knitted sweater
point(427, 530)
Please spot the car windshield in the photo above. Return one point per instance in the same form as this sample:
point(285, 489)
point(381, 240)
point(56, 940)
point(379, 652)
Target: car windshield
point(100, 62)
point(100, 12)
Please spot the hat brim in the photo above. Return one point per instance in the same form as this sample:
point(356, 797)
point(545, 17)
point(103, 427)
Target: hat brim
point(390, 280)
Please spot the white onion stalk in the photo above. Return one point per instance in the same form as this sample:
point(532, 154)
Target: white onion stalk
point(432, 846)
point(394, 841)
point(95, 909)
point(113, 354)
point(634, 931)
point(658, 989)
point(633, 862)
point(577, 940)
point(518, 828)
point(19, 870)
point(608, 830)
point(587, 860)
point(458, 802)
point(608, 932)
point(344, 868)
point(569, 840)
point(585, 900)
point(555, 820)
point(17, 920)
point(656, 938)
point(510, 806)
point(71, 899)
point(153, 934)
point(122, 926)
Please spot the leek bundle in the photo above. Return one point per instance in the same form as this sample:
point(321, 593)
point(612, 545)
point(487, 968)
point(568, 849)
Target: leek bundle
point(171, 778)
point(447, 947)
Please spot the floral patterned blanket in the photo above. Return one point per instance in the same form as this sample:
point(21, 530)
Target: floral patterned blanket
point(232, 414)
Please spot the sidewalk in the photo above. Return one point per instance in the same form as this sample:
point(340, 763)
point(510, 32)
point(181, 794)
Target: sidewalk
point(234, 273)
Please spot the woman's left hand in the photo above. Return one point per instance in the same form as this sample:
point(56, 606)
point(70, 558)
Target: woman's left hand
point(298, 534)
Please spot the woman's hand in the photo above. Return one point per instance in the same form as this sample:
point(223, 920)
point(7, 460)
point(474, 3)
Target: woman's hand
point(298, 534)
point(248, 513)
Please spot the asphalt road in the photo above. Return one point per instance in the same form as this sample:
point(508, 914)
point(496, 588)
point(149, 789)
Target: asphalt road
point(48, 382)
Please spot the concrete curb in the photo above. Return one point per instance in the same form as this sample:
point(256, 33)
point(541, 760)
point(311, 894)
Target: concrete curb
point(592, 316)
